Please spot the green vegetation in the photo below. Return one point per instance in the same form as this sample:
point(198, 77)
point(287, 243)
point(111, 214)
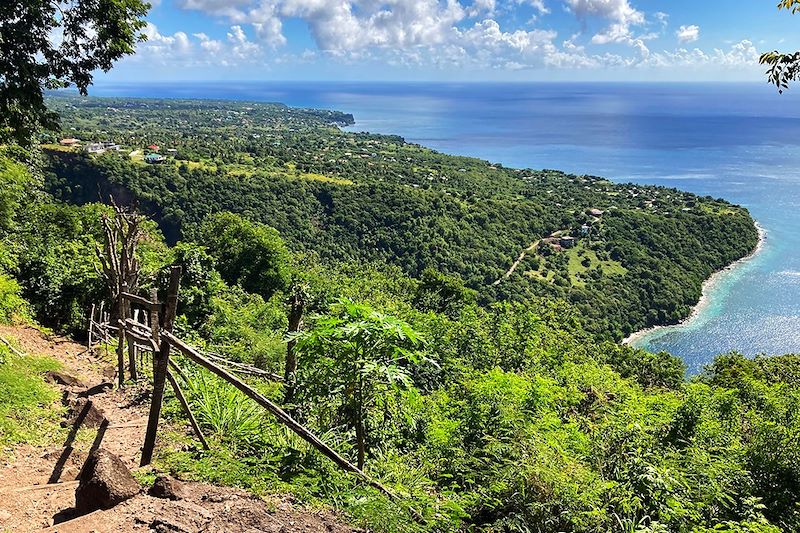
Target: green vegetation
point(12, 305)
point(358, 356)
point(387, 201)
point(248, 254)
point(486, 408)
point(49, 44)
point(26, 401)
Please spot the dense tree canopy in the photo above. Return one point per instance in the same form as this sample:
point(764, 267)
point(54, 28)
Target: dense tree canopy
point(361, 197)
point(247, 253)
point(47, 44)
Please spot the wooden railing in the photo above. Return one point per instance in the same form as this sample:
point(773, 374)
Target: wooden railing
point(145, 327)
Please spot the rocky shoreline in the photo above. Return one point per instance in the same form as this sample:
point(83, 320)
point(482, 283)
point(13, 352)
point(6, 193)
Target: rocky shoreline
point(708, 286)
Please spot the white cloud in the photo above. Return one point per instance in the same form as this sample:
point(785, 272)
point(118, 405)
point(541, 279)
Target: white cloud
point(267, 24)
point(741, 55)
point(342, 26)
point(487, 42)
point(538, 5)
point(688, 34)
point(159, 45)
point(621, 14)
point(179, 49)
point(618, 10)
point(440, 34)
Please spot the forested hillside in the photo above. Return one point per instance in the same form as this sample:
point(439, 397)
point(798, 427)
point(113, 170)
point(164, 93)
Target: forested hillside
point(639, 260)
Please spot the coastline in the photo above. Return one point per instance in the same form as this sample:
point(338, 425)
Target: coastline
point(708, 286)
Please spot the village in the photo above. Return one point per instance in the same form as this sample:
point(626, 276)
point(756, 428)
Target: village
point(149, 155)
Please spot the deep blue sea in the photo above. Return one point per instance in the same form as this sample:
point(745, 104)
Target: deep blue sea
point(740, 142)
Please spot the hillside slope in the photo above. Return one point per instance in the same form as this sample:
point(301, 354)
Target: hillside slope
point(641, 252)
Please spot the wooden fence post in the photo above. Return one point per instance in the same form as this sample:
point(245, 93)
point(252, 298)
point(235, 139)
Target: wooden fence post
point(132, 359)
point(282, 416)
point(91, 326)
point(153, 314)
point(100, 320)
point(185, 404)
point(121, 336)
point(160, 366)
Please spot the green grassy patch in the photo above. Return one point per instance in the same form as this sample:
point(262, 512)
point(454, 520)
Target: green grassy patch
point(582, 260)
point(326, 179)
point(27, 415)
point(57, 148)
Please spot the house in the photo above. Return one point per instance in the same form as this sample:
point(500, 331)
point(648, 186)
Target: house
point(586, 229)
point(95, 148)
point(567, 242)
point(69, 141)
point(102, 147)
point(154, 159)
point(153, 147)
point(596, 212)
point(111, 145)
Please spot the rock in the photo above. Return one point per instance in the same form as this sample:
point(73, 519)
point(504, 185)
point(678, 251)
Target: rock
point(68, 398)
point(97, 389)
point(84, 413)
point(104, 482)
point(166, 525)
point(168, 488)
point(60, 378)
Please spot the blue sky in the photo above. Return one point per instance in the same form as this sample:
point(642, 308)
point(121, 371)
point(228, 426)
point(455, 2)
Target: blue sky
point(465, 40)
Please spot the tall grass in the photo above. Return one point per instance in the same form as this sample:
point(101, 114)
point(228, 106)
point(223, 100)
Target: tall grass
point(224, 410)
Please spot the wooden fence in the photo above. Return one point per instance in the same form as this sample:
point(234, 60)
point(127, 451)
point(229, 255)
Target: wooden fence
point(145, 328)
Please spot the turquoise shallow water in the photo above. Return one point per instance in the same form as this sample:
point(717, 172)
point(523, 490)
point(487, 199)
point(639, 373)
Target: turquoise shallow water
point(739, 142)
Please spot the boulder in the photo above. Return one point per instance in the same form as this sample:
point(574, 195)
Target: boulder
point(60, 378)
point(168, 488)
point(104, 482)
point(84, 413)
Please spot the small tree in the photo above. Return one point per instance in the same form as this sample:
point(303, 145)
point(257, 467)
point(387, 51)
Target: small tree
point(248, 254)
point(358, 354)
point(298, 298)
point(118, 258)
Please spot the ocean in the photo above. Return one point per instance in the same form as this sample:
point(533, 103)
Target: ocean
point(740, 142)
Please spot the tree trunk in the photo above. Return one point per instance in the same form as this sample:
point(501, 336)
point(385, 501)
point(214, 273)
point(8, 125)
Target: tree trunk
point(120, 267)
point(361, 432)
point(295, 324)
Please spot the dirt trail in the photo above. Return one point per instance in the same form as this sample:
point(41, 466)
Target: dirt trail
point(516, 263)
point(37, 485)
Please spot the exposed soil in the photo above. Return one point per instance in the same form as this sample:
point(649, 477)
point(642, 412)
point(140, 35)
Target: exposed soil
point(37, 486)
